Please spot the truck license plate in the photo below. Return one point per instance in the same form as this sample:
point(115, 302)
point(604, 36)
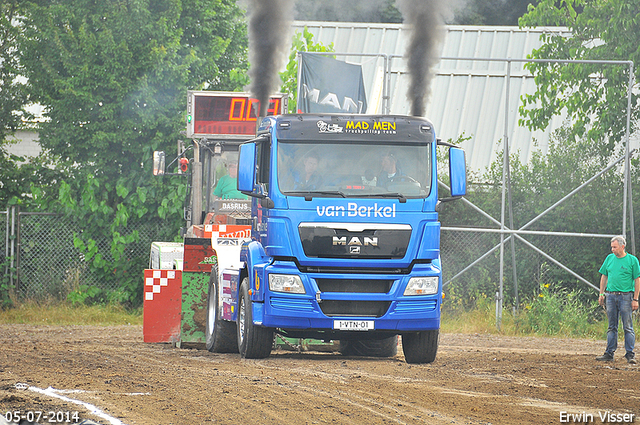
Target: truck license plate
point(353, 325)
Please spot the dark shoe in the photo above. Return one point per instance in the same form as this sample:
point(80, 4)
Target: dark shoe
point(631, 358)
point(606, 357)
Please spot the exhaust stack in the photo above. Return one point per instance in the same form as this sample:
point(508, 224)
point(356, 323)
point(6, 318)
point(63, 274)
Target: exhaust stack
point(425, 19)
point(269, 39)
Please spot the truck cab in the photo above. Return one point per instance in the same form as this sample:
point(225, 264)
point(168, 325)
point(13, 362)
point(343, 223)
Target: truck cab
point(345, 238)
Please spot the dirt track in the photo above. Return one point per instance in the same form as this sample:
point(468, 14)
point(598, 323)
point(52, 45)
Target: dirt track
point(476, 379)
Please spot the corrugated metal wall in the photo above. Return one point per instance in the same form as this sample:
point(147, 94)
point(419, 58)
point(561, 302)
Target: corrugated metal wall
point(467, 97)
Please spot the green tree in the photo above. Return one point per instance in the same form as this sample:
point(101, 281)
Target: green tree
point(12, 94)
point(301, 43)
point(469, 12)
point(593, 95)
point(490, 12)
point(357, 11)
point(113, 77)
point(15, 176)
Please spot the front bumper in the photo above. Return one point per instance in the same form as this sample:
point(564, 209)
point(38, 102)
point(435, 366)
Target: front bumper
point(326, 300)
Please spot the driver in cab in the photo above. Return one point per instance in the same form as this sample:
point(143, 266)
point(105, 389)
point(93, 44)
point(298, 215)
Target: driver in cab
point(227, 187)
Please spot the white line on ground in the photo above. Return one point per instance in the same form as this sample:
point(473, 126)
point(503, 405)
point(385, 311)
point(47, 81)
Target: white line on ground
point(52, 392)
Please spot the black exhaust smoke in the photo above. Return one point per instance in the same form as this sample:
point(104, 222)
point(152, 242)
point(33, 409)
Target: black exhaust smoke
point(424, 17)
point(269, 41)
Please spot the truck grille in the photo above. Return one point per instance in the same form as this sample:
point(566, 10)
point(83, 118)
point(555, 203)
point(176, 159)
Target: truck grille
point(353, 240)
point(354, 308)
point(354, 285)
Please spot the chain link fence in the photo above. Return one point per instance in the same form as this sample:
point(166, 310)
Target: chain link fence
point(48, 265)
point(4, 241)
point(472, 260)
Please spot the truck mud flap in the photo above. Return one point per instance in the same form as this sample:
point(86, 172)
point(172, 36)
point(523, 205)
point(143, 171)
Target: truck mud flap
point(194, 306)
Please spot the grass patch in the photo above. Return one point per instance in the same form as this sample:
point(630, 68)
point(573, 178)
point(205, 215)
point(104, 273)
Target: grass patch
point(549, 314)
point(66, 314)
point(480, 319)
point(558, 313)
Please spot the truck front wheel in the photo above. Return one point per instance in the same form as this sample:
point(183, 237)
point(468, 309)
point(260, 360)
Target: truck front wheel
point(420, 347)
point(220, 334)
point(254, 342)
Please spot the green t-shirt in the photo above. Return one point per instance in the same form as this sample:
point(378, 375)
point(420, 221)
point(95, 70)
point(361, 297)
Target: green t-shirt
point(620, 272)
point(227, 188)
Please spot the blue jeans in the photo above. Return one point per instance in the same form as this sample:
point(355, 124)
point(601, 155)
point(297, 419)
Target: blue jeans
point(619, 307)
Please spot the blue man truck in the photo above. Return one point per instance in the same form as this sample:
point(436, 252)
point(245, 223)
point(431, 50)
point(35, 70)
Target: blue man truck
point(344, 241)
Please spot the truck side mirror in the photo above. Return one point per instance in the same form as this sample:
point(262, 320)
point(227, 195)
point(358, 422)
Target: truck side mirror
point(457, 172)
point(247, 168)
point(158, 163)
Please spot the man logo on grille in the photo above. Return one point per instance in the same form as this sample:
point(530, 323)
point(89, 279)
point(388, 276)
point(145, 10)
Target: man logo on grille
point(355, 241)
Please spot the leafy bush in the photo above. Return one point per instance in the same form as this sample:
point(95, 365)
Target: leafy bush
point(557, 311)
point(7, 288)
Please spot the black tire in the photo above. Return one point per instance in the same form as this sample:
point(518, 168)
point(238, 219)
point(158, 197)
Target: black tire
point(220, 334)
point(387, 347)
point(420, 347)
point(254, 342)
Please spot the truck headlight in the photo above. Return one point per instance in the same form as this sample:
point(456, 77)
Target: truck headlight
point(422, 286)
point(290, 283)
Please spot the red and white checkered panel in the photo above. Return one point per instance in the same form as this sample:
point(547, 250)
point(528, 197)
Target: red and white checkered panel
point(157, 280)
point(162, 305)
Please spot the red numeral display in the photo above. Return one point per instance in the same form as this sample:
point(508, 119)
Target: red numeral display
point(229, 114)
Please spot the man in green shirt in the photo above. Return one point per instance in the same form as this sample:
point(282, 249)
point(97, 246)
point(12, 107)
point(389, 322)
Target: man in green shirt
point(227, 187)
point(619, 288)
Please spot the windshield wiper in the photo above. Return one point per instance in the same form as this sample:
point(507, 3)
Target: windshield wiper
point(308, 194)
point(400, 196)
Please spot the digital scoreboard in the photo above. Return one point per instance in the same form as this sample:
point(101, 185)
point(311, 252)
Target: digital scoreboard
point(214, 114)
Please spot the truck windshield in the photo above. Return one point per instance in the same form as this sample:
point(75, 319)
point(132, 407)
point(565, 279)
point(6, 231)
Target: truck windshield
point(354, 170)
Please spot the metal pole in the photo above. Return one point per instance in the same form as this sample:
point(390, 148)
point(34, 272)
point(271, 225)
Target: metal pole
point(196, 190)
point(299, 57)
point(631, 222)
point(513, 248)
point(627, 179)
point(568, 61)
point(12, 253)
point(17, 247)
point(510, 232)
point(386, 86)
point(513, 240)
point(505, 168)
point(6, 243)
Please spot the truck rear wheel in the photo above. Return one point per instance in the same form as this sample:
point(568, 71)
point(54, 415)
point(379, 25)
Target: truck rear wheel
point(420, 347)
point(220, 334)
point(254, 342)
point(387, 347)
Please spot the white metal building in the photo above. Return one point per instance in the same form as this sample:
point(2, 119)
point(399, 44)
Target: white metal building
point(467, 97)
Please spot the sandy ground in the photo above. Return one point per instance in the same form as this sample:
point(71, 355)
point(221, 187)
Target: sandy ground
point(476, 379)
